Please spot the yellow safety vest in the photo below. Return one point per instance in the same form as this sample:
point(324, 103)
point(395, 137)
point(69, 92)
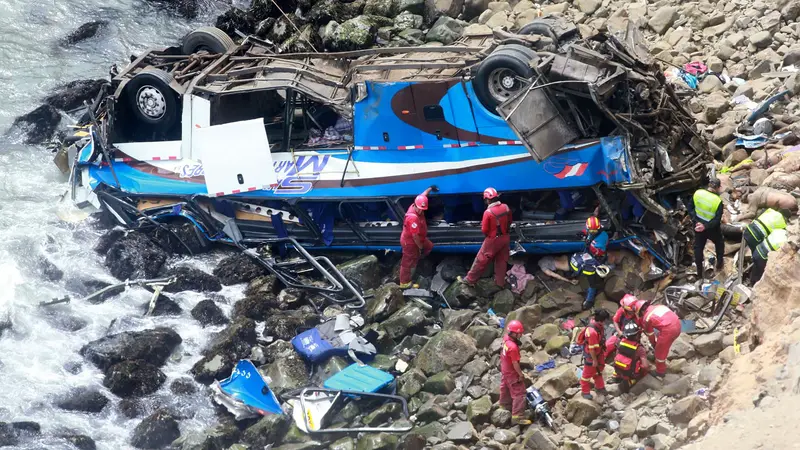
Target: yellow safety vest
point(706, 204)
point(773, 242)
point(773, 220)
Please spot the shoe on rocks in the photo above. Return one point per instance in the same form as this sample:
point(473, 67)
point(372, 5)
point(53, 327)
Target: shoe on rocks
point(602, 391)
point(405, 285)
point(516, 420)
point(587, 396)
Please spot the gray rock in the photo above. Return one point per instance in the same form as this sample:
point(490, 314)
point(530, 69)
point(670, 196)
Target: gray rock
point(503, 302)
point(435, 9)
point(791, 11)
point(355, 34)
point(383, 8)
point(536, 439)
point(685, 409)
point(462, 432)
point(445, 30)
point(710, 84)
point(715, 105)
point(479, 411)
point(505, 437)
point(679, 388)
point(723, 133)
point(191, 279)
point(581, 411)
point(528, 315)
point(133, 378)
point(761, 39)
point(455, 319)
point(710, 374)
point(556, 343)
point(290, 372)
point(387, 300)
point(588, 6)
point(225, 350)
point(556, 381)
point(628, 424)
point(699, 424)
point(152, 346)
point(430, 412)
point(501, 417)
point(709, 344)
point(544, 333)
point(345, 443)
point(646, 426)
point(483, 335)
point(663, 442)
point(441, 383)
point(663, 19)
point(267, 431)
point(383, 414)
point(448, 350)
point(323, 11)
point(473, 8)
point(156, 431)
point(477, 367)
point(406, 20)
point(83, 400)
point(410, 383)
point(404, 321)
point(681, 348)
point(413, 6)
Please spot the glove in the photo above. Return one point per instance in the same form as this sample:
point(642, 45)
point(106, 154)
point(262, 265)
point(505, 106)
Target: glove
point(434, 188)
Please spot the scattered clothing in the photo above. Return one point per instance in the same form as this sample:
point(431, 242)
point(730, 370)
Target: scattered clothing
point(518, 278)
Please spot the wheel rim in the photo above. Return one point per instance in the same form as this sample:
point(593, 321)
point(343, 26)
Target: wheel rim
point(503, 84)
point(151, 102)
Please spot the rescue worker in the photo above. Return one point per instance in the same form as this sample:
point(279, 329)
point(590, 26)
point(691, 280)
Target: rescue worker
point(630, 361)
point(512, 381)
point(414, 238)
point(584, 264)
point(496, 247)
point(706, 211)
point(626, 312)
point(773, 242)
point(659, 318)
point(596, 239)
point(758, 230)
point(592, 338)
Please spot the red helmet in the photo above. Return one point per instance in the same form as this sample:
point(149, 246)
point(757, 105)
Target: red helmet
point(593, 224)
point(628, 302)
point(490, 193)
point(641, 307)
point(421, 202)
point(515, 326)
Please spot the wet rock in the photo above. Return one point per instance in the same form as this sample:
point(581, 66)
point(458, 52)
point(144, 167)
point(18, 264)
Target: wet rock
point(85, 31)
point(284, 324)
point(38, 126)
point(260, 300)
point(131, 408)
point(581, 411)
point(290, 372)
point(410, 383)
point(82, 399)
point(483, 335)
point(156, 431)
point(379, 441)
point(455, 319)
point(403, 321)
point(709, 344)
point(80, 441)
point(442, 383)
point(556, 381)
point(663, 19)
point(345, 443)
point(225, 350)
point(445, 30)
point(185, 8)
point(152, 346)
point(49, 270)
point(179, 238)
point(324, 11)
point(366, 270)
point(133, 378)
point(135, 256)
point(267, 431)
point(462, 432)
point(164, 306)
point(387, 300)
point(460, 294)
point(448, 350)
point(283, 28)
point(436, 9)
point(183, 386)
point(238, 268)
point(414, 7)
point(685, 409)
point(208, 313)
point(528, 315)
point(384, 8)
point(544, 333)
point(232, 20)
point(9, 437)
point(479, 411)
point(383, 414)
point(538, 440)
point(27, 428)
point(430, 412)
point(191, 279)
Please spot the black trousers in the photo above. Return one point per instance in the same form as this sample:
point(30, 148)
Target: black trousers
point(700, 239)
point(759, 264)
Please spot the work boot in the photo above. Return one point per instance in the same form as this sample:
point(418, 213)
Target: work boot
point(589, 302)
point(587, 396)
point(405, 285)
point(659, 376)
point(517, 420)
point(464, 280)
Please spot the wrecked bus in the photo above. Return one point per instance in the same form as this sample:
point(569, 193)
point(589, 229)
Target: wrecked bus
point(331, 148)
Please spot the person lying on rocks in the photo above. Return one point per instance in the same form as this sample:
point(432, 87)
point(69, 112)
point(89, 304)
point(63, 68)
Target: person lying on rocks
point(766, 197)
point(551, 265)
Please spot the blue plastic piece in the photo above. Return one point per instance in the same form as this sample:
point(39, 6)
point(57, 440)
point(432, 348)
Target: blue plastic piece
point(246, 385)
point(359, 378)
point(311, 346)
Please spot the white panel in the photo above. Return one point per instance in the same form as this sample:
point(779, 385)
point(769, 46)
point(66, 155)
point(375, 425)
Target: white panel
point(235, 157)
point(151, 151)
point(201, 118)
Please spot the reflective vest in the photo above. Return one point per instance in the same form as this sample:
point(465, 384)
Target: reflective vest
point(706, 204)
point(583, 263)
point(766, 223)
point(626, 360)
point(773, 242)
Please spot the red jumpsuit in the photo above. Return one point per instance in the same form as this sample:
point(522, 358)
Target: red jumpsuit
point(620, 317)
point(496, 246)
point(593, 370)
point(413, 224)
point(668, 324)
point(512, 388)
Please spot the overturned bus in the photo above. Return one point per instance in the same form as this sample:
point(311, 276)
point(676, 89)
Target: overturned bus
point(331, 148)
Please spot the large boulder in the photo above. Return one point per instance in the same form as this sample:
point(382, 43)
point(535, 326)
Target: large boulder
point(261, 299)
point(460, 294)
point(536, 439)
point(283, 325)
point(709, 344)
point(38, 126)
point(684, 410)
point(442, 383)
point(164, 306)
point(151, 346)
point(544, 333)
point(384, 8)
point(581, 411)
point(385, 301)
point(84, 32)
point(479, 411)
point(191, 279)
point(503, 302)
point(267, 431)
point(82, 399)
point(681, 348)
point(324, 11)
point(555, 382)
point(435, 9)
point(208, 313)
point(663, 19)
point(412, 6)
point(377, 441)
point(483, 335)
point(238, 268)
point(457, 319)
point(234, 19)
point(225, 350)
point(353, 35)
point(290, 372)
point(448, 350)
point(133, 378)
point(135, 256)
point(79, 441)
point(445, 30)
point(411, 383)
point(156, 431)
point(72, 95)
point(530, 316)
point(404, 321)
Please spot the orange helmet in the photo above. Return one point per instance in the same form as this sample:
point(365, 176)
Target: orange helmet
point(515, 326)
point(628, 302)
point(490, 193)
point(593, 224)
point(422, 202)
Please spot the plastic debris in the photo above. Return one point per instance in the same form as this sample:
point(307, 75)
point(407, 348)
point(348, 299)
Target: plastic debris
point(551, 364)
